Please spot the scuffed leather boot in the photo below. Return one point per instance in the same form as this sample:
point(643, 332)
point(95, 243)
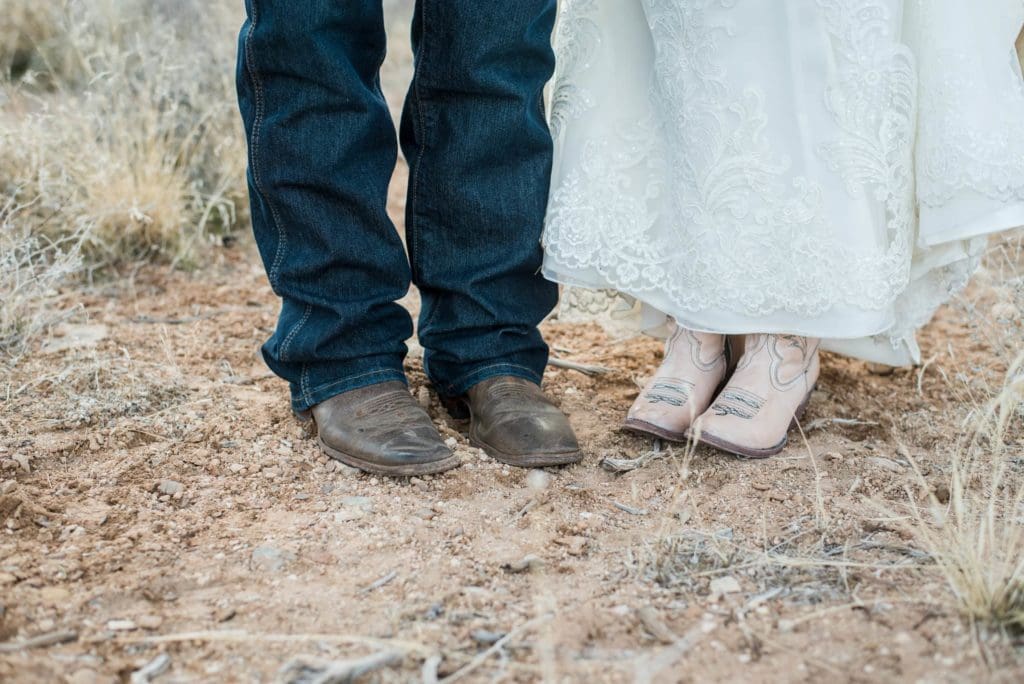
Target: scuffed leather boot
point(382, 430)
point(512, 420)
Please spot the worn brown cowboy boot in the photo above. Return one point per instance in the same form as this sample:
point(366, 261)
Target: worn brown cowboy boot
point(512, 420)
point(382, 430)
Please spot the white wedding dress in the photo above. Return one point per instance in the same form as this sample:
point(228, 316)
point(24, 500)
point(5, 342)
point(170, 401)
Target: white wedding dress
point(827, 168)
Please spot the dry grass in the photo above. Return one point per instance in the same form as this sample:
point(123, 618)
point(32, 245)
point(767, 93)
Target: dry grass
point(119, 139)
point(977, 536)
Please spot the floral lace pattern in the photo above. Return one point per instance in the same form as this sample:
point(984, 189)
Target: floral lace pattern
point(957, 154)
point(691, 196)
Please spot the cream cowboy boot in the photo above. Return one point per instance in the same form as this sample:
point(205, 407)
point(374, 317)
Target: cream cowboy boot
point(694, 368)
point(766, 395)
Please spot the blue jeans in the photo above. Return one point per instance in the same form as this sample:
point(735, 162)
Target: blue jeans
point(322, 149)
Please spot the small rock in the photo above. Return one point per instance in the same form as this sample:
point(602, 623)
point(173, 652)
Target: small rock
point(346, 470)
point(425, 513)
point(761, 487)
point(83, 676)
point(7, 487)
point(576, 545)
point(170, 487)
point(1004, 311)
point(153, 669)
point(941, 493)
point(886, 464)
point(528, 562)
point(150, 622)
point(224, 614)
point(23, 462)
point(72, 336)
point(54, 596)
point(485, 637)
point(363, 503)
point(121, 626)
point(451, 443)
point(776, 495)
point(538, 480)
point(301, 496)
point(725, 585)
point(271, 558)
point(423, 397)
point(348, 515)
point(236, 467)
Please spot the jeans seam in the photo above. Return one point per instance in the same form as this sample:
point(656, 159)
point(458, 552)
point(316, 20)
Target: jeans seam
point(254, 147)
point(420, 132)
point(283, 354)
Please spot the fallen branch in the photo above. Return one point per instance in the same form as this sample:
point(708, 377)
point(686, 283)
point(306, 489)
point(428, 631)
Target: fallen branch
point(629, 509)
point(429, 671)
point(668, 657)
point(843, 422)
point(41, 641)
point(498, 645)
point(586, 369)
point(381, 582)
point(241, 635)
point(625, 465)
point(306, 670)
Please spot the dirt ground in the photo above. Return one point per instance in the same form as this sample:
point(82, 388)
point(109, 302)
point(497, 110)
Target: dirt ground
point(158, 497)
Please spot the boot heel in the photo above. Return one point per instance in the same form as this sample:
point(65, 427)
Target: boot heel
point(456, 407)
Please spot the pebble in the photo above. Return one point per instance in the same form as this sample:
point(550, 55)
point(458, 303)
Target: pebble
point(83, 676)
point(886, 464)
point(725, 585)
point(348, 515)
point(423, 397)
point(7, 487)
point(271, 558)
point(576, 545)
point(776, 495)
point(363, 503)
point(426, 514)
point(761, 487)
point(170, 487)
point(528, 562)
point(538, 480)
point(236, 468)
point(150, 622)
point(486, 637)
point(121, 625)
point(54, 596)
point(23, 462)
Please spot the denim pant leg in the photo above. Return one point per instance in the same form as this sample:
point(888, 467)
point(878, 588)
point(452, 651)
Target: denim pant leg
point(322, 149)
point(479, 151)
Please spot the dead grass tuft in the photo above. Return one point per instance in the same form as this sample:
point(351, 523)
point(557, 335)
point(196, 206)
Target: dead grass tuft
point(119, 136)
point(977, 538)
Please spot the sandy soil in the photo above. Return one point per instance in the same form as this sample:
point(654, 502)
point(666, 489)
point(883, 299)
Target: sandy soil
point(157, 497)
